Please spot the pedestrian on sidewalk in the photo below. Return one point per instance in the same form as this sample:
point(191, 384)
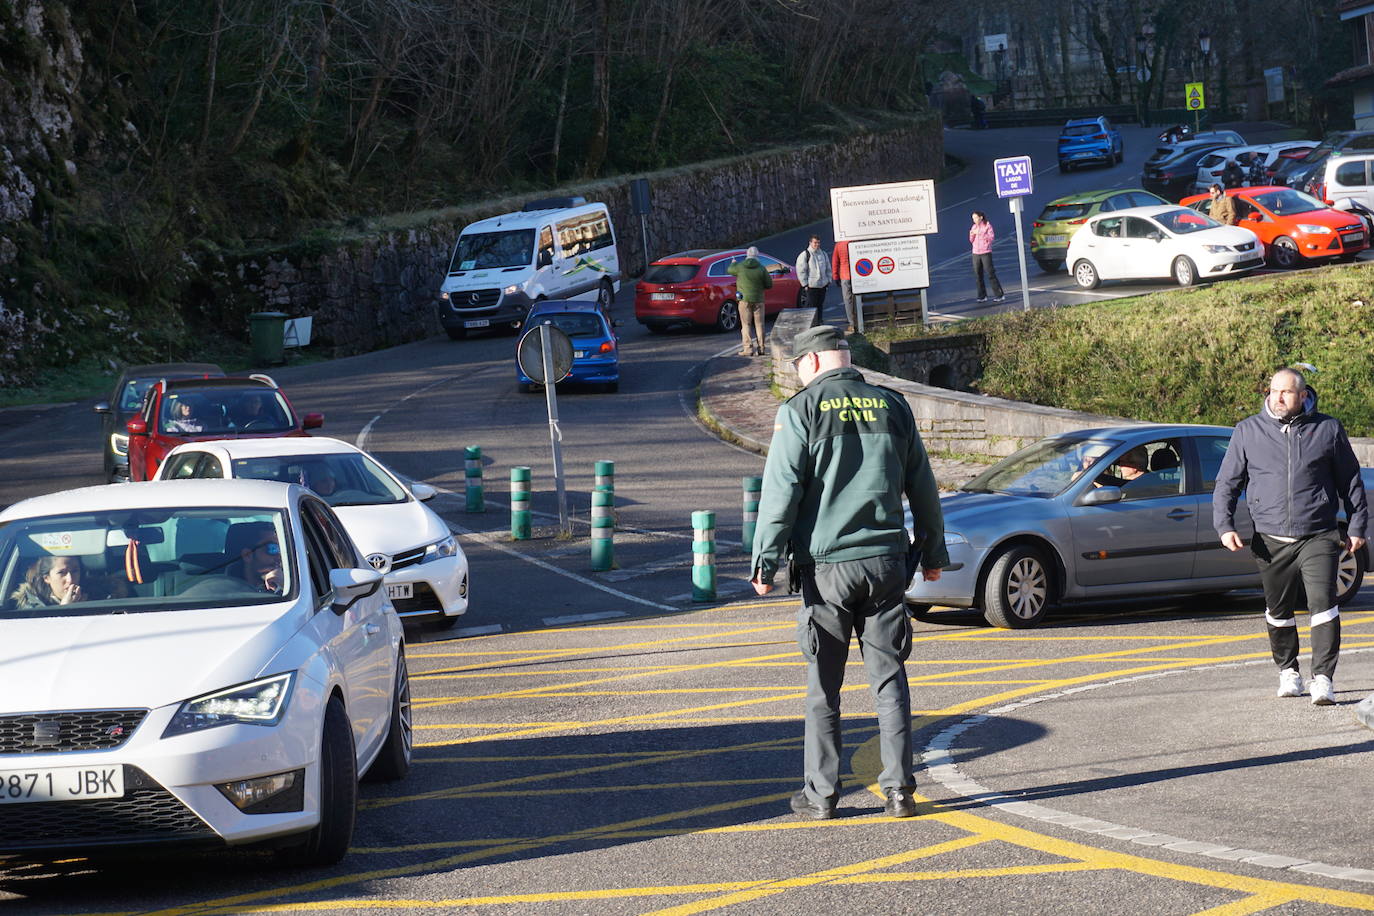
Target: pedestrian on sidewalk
point(981, 237)
point(843, 457)
point(813, 272)
point(1296, 468)
point(751, 279)
point(839, 268)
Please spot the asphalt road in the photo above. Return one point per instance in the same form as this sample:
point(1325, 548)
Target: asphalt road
point(598, 742)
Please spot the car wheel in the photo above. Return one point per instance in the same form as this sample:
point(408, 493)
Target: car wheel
point(1184, 271)
point(1049, 267)
point(1284, 253)
point(1350, 569)
point(1121, 154)
point(1085, 275)
point(393, 761)
point(611, 387)
point(328, 841)
point(1016, 593)
point(918, 611)
point(456, 333)
point(605, 297)
point(1063, 168)
point(727, 319)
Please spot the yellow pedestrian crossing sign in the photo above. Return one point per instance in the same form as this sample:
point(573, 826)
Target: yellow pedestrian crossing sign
point(1197, 100)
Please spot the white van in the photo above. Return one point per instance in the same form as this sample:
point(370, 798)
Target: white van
point(551, 249)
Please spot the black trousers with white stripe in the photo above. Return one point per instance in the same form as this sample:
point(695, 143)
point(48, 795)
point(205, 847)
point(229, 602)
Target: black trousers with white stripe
point(1294, 573)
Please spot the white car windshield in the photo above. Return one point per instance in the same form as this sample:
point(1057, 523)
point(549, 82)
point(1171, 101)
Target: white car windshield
point(340, 479)
point(1042, 470)
point(142, 560)
point(1183, 221)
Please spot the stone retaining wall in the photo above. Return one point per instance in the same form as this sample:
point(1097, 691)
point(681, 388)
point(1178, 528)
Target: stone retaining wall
point(380, 290)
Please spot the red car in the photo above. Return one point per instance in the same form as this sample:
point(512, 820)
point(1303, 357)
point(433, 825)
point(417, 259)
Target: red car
point(1295, 227)
point(695, 287)
point(194, 410)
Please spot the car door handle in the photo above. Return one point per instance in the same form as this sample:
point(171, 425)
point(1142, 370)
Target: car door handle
point(1180, 513)
point(372, 629)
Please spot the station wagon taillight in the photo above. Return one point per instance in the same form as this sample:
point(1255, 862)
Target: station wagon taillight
point(608, 346)
point(1099, 136)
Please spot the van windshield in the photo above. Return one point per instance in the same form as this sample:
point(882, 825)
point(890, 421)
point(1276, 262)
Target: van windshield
point(485, 250)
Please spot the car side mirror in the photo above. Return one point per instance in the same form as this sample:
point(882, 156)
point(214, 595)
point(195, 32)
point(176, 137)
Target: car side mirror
point(1253, 218)
point(1156, 236)
point(312, 421)
point(1100, 496)
point(351, 586)
point(102, 407)
point(423, 491)
point(137, 427)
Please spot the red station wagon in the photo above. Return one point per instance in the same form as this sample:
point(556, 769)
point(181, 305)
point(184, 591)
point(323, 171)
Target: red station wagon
point(695, 287)
point(194, 410)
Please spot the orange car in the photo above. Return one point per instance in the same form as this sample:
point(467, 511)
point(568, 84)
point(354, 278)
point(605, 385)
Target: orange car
point(1294, 227)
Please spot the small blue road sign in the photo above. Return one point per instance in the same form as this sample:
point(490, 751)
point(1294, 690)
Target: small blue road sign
point(1013, 176)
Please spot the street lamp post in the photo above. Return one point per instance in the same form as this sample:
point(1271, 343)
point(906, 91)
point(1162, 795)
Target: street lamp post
point(1204, 43)
point(1144, 47)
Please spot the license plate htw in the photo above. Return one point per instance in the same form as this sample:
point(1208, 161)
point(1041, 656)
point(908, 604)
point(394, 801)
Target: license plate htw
point(400, 590)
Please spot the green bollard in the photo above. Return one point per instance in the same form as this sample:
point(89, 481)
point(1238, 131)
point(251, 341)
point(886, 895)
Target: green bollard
point(753, 486)
point(603, 530)
point(605, 480)
point(704, 556)
point(473, 472)
point(520, 504)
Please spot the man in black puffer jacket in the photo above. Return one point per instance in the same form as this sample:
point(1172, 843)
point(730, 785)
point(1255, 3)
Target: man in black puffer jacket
point(1297, 468)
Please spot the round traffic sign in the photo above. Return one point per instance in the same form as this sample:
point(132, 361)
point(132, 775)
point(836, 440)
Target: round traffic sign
point(1194, 104)
point(530, 353)
point(886, 265)
point(863, 267)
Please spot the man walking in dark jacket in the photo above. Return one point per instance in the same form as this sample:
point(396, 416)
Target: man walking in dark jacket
point(845, 456)
point(1296, 468)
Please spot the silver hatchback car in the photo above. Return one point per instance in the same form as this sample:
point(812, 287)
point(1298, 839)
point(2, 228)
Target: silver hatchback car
point(1093, 514)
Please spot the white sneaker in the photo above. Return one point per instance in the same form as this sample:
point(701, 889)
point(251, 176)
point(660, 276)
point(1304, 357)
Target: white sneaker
point(1322, 692)
point(1290, 683)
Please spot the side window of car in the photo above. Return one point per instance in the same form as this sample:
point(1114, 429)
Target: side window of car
point(1365, 141)
point(545, 257)
point(1108, 228)
point(1161, 476)
point(1210, 451)
point(183, 466)
point(772, 265)
point(316, 555)
point(210, 467)
point(1137, 228)
point(1351, 174)
point(722, 267)
point(149, 406)
point(341, 552)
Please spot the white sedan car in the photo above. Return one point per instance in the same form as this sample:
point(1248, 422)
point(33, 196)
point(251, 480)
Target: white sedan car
point(426, 570)
point(1146, 243)
point(208, 662)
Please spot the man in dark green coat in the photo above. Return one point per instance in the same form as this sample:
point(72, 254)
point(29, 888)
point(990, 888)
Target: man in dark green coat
point(751, 279)
point(844, 456)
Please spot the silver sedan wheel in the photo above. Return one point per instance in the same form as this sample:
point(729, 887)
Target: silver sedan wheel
point(1016, 592)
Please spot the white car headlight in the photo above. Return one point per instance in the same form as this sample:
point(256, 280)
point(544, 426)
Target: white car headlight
point(1314, 229)
point(1216, 249)
point(440, 549)
point(954, 537)
point(260, 702)
point(443, 295)
point(119, 444)
point(512, 290)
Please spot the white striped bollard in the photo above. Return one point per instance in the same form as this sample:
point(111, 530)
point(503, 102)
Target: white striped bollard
point(603, 530)
point(704, 556)
point(605, 480)
point(472, 471)
point(753, 486)
point(520, 504)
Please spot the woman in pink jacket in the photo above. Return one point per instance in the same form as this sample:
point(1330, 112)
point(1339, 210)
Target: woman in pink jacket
point(980, 236)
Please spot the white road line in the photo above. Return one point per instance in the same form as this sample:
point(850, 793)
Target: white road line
point(582, 618)
point(361, 441)
point(939, 759)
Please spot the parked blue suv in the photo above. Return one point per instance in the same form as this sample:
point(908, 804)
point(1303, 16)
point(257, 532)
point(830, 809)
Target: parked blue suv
point(1088, 140)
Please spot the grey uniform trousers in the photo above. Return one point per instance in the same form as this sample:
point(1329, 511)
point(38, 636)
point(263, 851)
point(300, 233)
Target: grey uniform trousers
point(862, 597)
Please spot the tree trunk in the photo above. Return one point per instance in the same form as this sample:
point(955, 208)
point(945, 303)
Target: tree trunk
point(296, 149)
point(211, 65)
point(557, 150)
point(251, 112)
point(599, 143)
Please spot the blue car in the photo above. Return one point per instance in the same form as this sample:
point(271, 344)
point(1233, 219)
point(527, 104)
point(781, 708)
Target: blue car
point(596, 350)
point(1088, 140)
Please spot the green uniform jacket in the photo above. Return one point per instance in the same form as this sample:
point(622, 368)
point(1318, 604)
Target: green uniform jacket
point(844, 453)
point(751, 279)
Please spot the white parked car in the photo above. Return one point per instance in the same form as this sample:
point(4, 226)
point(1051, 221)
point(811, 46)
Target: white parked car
point(1145, 243)
point(1210, 167)
point(208, 662)
point(426, 570)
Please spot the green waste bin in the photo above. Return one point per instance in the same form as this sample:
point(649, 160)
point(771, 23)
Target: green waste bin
point(267, 331)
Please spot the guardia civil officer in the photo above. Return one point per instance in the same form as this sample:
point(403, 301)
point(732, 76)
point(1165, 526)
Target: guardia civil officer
point(1297, 469)
point(844, 455)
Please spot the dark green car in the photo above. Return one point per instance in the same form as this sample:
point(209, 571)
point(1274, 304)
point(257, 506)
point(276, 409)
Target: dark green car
point(1051, 230)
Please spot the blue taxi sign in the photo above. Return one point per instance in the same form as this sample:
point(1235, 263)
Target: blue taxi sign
point(1014, 176)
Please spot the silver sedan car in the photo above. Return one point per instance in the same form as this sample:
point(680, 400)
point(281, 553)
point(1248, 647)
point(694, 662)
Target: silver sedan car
point(1093, 514)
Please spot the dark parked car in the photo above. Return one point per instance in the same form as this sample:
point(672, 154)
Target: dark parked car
point(1173, 178)
point(1088, 140)
point(125, 401)
point(1297, 173)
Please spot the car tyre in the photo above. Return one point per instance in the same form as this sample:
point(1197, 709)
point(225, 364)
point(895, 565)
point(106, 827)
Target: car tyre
point(605, 297)
point(393, 761)
point(1016, 592)
point(1350, 570)
point(1121, 154)
point(1049, 267)
point(1185, 272)
point(1284, 253)
point(456, 333)
point(917, 610)
point(1085, 275)
point(328, 841)
point(727, 319)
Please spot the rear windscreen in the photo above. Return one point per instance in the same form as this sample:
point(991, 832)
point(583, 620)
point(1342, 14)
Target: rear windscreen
point(1064, 211)
point(1079, 130)
point(670, 273)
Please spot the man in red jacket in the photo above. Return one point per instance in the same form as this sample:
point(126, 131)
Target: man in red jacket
point(839, 269)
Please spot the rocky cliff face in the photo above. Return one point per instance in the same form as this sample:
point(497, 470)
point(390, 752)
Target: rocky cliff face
point(40, 71)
